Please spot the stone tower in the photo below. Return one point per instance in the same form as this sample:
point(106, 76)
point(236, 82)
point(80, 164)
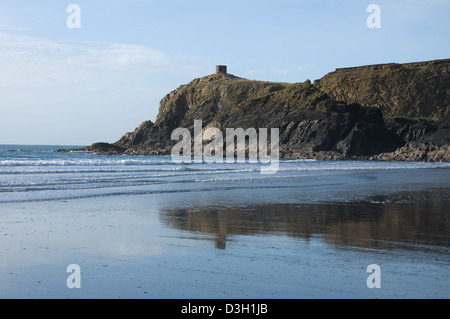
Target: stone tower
point(221, 69)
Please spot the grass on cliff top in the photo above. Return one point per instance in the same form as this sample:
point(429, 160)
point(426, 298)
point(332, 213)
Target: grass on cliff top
point(238, 90)
point(301, 95)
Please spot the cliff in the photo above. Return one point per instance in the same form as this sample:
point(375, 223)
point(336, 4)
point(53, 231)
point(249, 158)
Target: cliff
point(380, 112)
point(411, 90)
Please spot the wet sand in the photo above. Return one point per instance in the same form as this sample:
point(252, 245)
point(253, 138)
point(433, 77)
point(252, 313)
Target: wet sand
point(186, 246)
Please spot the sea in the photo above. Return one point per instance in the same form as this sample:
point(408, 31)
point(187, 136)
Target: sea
point(221, 230)
point(38, 173)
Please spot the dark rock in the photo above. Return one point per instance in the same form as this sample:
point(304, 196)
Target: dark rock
point(341, 116)
point(105, 149)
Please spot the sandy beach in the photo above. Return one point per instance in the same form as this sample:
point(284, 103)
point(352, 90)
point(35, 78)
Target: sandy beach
point(145, 227)
point(183, 246)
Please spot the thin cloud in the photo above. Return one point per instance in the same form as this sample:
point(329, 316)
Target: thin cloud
point(33, 60)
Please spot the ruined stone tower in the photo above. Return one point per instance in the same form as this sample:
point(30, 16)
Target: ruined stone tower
point(221, 69)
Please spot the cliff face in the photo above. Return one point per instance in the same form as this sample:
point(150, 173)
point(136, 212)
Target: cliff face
point(346, 115)
point(411, 90)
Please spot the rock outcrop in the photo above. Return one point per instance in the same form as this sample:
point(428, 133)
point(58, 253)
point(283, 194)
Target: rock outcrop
point(355, 113)
point(411, 90)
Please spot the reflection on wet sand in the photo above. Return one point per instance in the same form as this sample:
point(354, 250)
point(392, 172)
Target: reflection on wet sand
point(415, 221)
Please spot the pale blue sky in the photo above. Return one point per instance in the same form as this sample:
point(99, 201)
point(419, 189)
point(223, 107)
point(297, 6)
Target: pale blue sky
point(79, 86)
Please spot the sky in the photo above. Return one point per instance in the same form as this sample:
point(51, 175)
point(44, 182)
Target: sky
point(64, 83)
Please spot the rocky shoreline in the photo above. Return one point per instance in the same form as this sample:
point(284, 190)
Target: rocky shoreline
point(382, 112)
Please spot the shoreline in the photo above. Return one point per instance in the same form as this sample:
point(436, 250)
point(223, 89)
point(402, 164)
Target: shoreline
point(430, 154)
point(148, 228)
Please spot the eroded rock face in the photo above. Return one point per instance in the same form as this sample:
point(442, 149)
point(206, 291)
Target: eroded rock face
point(333, 119)
point(420, 89)
point(423, 141)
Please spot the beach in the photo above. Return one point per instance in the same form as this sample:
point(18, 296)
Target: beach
point(143, 227)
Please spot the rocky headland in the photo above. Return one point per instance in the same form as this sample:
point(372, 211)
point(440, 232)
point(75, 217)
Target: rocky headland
point(377, 112)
